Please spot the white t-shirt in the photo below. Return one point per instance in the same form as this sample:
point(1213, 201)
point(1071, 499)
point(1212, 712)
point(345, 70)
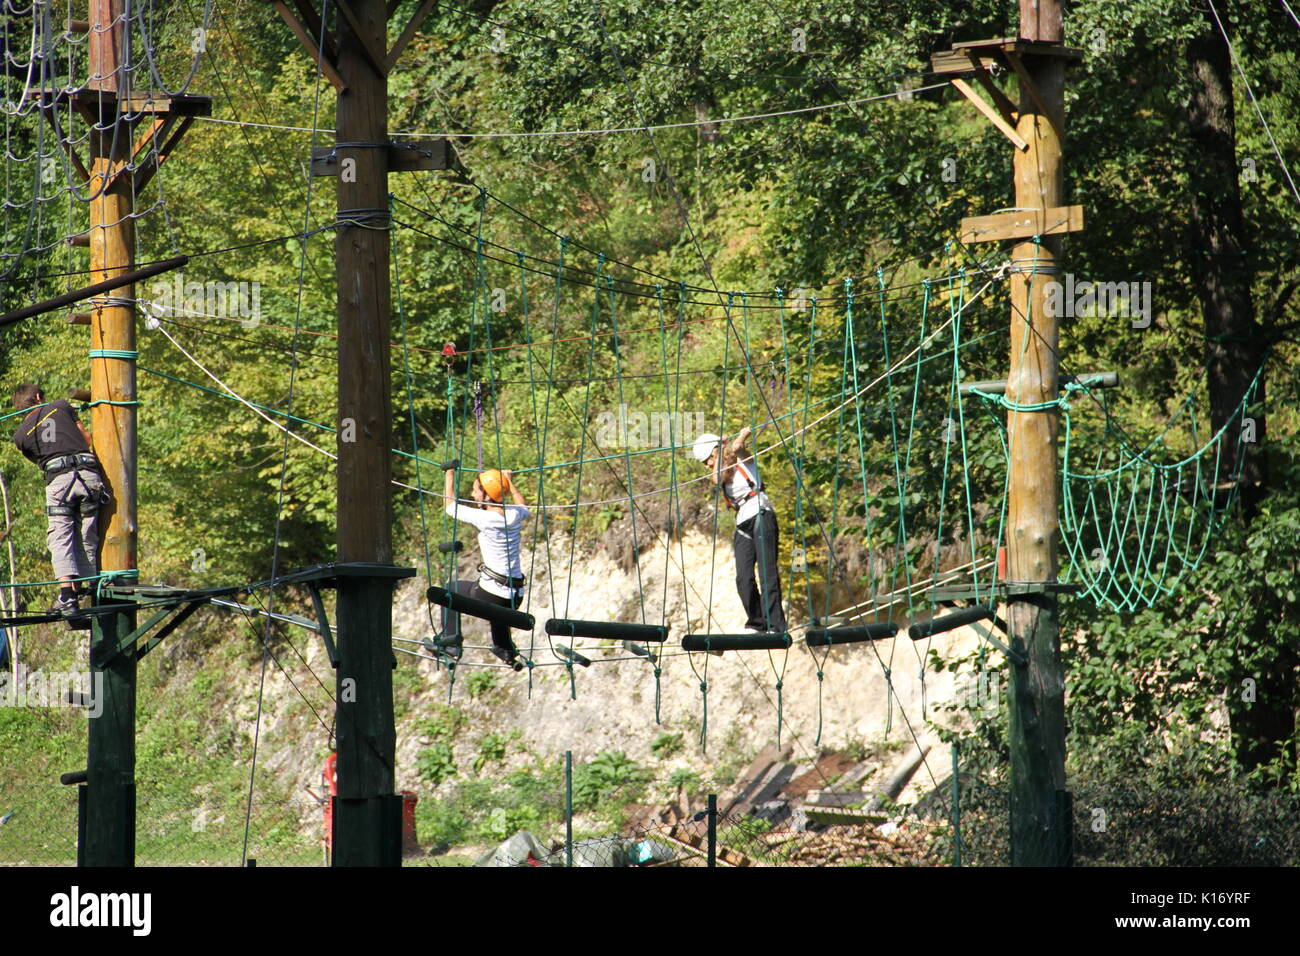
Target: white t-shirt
point(499, 539)
point(739, 486)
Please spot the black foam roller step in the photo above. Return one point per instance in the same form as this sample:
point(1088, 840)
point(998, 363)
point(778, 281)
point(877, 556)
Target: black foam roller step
point(824, 637)
point(606, 630)
point(447, 547)
point(949, 622)
point(481, 609)
point(736, 642)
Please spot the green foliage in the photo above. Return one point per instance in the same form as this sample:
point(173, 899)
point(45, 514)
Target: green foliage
point(609, 777)
point(666, 745)
point(436, 763)
point(489, 810)
point(481, 682)
point(444, 723)
point(686, 780)
point(491, 749)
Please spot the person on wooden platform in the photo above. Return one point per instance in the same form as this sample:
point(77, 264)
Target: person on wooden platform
point(756, 541)
point(52, 437)
point(501, 576)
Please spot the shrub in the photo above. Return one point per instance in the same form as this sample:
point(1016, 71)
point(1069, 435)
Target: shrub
point(435, 763)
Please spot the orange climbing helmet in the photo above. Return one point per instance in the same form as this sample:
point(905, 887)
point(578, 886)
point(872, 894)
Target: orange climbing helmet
point(493, 484)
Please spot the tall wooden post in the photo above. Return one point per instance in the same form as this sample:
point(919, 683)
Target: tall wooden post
point(110, 793)
point(368, 813)
point(1039, 804)
point(356, 59)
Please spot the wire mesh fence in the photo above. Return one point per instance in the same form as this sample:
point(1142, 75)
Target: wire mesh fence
point(1220, 825)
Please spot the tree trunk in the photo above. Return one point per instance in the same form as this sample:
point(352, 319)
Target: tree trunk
point(1222, 270)
point(1262, 720)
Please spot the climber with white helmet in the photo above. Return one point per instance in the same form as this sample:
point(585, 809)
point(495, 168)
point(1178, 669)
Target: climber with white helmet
point(501, 575)
point(756, 540)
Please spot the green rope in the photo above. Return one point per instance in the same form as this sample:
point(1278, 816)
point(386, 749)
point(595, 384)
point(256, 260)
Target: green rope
point(532, 392)
point(410, 404)
point(101, 576)
point(704, 720)
point(114, 353)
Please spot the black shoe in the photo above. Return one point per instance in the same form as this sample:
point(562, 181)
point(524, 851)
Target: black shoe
point(510, 656)
point(66, 606)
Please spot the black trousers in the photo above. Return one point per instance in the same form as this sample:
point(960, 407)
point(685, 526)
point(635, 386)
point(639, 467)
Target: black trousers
point(756, 545)
point(451, 619)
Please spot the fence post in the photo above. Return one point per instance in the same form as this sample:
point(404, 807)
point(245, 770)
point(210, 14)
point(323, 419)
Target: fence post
point(713, 829)
point(956, 810)
point(568, 808)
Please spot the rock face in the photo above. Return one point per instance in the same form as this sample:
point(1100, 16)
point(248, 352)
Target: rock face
point(868, 692)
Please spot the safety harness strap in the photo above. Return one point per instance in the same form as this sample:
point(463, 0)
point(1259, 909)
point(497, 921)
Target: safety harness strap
point(754, 487)
point(501, 579)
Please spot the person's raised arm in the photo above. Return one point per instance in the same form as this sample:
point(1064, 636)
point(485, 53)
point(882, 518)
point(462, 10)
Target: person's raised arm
point(449, 489)
point(738, 442)
point(516, 495)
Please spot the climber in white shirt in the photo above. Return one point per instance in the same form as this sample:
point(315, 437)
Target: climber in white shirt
point(756, 542)
point(501, 575)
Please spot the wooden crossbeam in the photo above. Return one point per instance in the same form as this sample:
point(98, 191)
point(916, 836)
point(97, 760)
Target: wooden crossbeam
point(308, 41)
point(1027, 85)
point(1021, 224)
point(149, 136)
point(983, 53)
point(47, 110)
point(992, 115)
point(146, 172)
point(396, 52)
point(402, 158)
point(311, 20)
point(1000, 99)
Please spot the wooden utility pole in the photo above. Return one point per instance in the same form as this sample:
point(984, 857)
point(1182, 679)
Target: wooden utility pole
point(131, 133)
point(357, 60)
point(109, 823)
point(367, 813)
point(1040, 813)
point(1040, 805)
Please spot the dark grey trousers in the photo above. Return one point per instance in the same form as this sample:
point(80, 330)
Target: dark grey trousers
point(756, 545)
point(74, 539)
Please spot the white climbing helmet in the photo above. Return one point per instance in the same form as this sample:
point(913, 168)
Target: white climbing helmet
point(705, 446)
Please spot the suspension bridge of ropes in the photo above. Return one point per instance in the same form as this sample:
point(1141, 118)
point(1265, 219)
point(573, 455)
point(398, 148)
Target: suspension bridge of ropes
point(892, 468)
